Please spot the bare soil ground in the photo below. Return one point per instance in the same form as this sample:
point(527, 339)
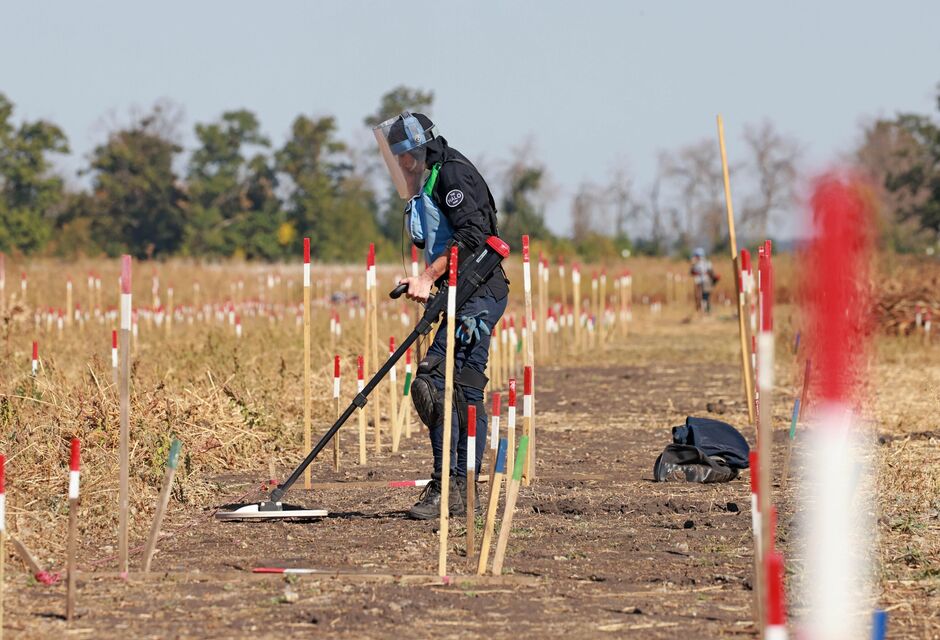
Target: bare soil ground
point(597, 548)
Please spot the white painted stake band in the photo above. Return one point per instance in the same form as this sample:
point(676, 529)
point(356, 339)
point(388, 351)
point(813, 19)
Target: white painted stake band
point(471, 453)
point(511, 416)
point(451, 302)
point(370, 277)
point(125, 311)
point(73, 485)
point(3, 512)
point(335, 387)
point(360, 385)
point(526, 406)
point(392, 375)
point(494, 432)
point(765, 351)
point(114, 358)
point(306, 274)
point(776, 632)
point(526, 277)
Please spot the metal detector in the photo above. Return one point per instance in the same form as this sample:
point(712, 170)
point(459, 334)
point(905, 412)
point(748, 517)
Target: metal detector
point(472, 273)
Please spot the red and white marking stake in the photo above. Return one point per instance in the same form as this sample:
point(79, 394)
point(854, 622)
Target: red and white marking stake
point(414, 261)
point(74, 462)
point(494, 434)
point(35, 357)
point(511, 427)
point(124, 393)
point(527, 430)
point(336, 410)
point(360, 385)
point(114, 355)
point(776, 608)
point(308, 400)
point(448, 410)
point(393, 398)
point(471, 482)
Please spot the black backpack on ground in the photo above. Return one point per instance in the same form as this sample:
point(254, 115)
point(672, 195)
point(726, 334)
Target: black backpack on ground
point(703, 450)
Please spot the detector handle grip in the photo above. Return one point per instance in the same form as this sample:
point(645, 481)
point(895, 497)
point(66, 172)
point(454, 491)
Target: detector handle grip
point(398, 291)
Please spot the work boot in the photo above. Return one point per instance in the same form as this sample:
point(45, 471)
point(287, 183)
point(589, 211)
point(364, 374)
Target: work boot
point(428, 506)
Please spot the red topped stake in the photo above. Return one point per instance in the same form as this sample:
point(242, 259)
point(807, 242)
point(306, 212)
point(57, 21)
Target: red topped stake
point(335, 366)
point(35, 350)
point(752, 463)
point(74, 457)
point(359, 371)
point(525, 248)
point(125, 274)
point(471, 425)
point(767, 292)
point(745, 260)
point(496, 402)
point(370, 260)
point(527, 381)
point(306, 250)
point(512, 392)
point(452, 278)
point(114, 344)
point(3, 474)
point(414, 253)
point(776, 608)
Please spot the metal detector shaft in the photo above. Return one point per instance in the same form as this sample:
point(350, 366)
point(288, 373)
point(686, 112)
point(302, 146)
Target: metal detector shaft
point(476, 270)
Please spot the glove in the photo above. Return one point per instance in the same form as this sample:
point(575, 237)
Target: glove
point(470, 327)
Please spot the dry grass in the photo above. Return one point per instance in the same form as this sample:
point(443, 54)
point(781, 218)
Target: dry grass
point(236, 404)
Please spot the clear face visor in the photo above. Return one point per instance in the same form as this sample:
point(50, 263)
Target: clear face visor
point(402, 142)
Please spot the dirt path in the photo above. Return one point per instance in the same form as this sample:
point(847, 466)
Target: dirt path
point(597, 547)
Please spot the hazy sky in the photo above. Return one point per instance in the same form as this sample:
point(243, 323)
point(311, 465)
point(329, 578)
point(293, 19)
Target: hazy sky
point(593, 84)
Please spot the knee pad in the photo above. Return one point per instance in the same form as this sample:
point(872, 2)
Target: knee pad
point(427, 399)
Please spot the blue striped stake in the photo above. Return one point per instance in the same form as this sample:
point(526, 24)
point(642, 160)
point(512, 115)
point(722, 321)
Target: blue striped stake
point(498, 474)
point(879, 628)
point(171, 464)
point(796, 343)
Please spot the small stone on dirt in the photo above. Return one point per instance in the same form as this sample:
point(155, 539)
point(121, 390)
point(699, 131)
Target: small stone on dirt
point(688, 524)
point(733, 507)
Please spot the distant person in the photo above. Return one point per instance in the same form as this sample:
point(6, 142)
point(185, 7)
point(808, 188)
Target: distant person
point(704, 278)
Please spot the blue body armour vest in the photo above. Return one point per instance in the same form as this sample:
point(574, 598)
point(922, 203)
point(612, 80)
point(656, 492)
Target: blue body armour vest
point(430, 228)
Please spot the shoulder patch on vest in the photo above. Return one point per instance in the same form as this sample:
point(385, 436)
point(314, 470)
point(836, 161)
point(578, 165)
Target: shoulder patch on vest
point(453, 198)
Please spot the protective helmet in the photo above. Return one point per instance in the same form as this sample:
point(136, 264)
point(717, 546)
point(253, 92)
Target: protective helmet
point(403, 143)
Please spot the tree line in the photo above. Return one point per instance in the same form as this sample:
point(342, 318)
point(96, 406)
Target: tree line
point(238, 195)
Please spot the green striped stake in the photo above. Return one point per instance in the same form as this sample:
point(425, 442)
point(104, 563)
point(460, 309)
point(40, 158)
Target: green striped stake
point(404, 413)
point(512, 494)
point(171, 463)
point(786, 458)
point(496, 481)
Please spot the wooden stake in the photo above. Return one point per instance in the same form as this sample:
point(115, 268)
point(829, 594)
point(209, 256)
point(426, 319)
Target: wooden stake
point(471, 483)
point(496, 481)
point(162, 502)
point(360, 367)
point(308, 400)
point(576, 294)
point(3, 526)
point(393, 399)
point(528, 468)
point(529, 362)
point(511, 426)
point(374, 332)
point(733, 245)
point(448, 411)
point(336, 410)
point(74, 462)
point(124, 393)
point(69, 307)
point(512, 494)
point(765, 347)
point(494, 436)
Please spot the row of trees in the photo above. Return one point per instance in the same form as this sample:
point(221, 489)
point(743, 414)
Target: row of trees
point(241, 196)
